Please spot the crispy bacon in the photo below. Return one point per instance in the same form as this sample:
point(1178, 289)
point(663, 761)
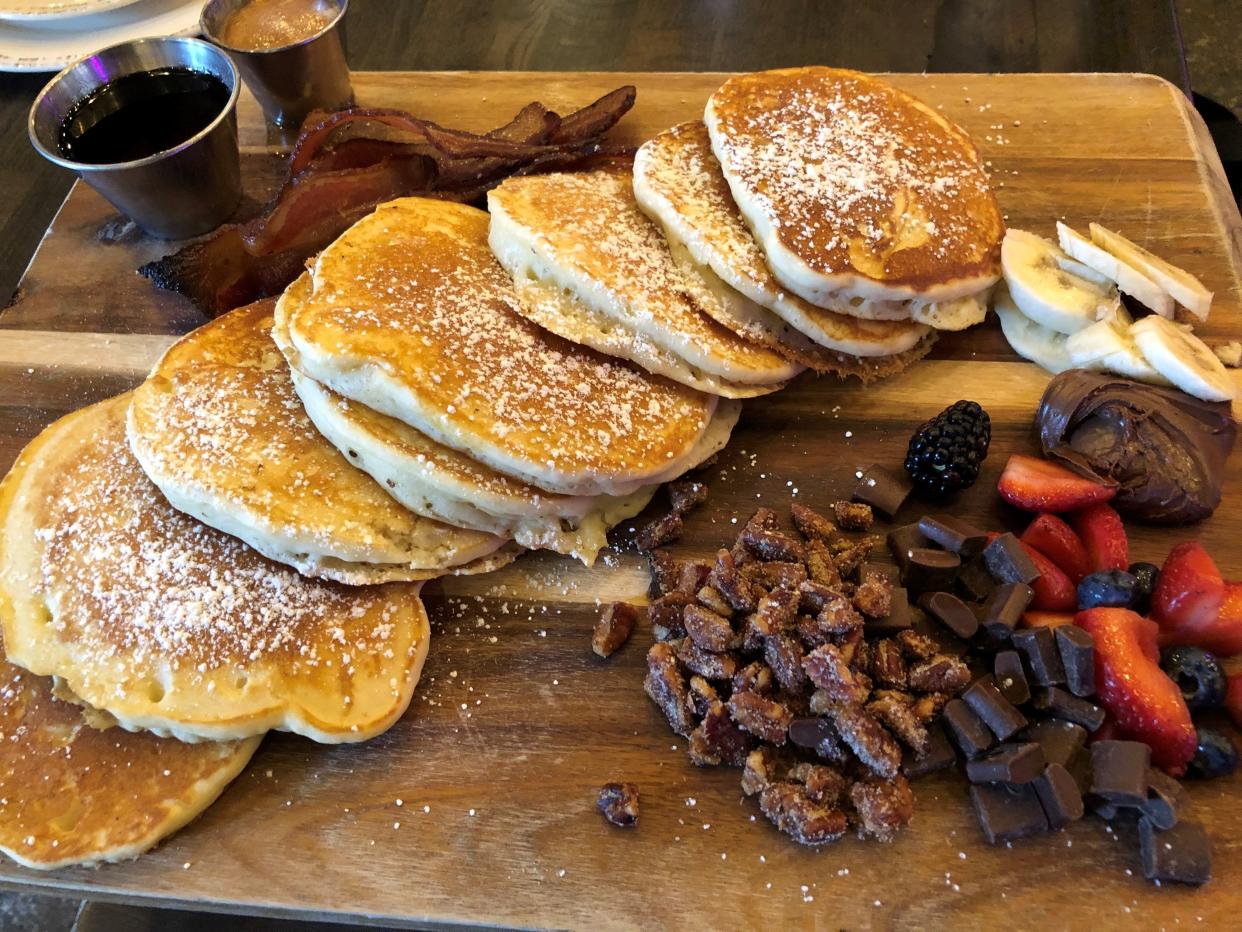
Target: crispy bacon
point(345, 164)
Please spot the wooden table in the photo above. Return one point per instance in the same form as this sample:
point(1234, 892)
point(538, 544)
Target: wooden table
point(479, 805)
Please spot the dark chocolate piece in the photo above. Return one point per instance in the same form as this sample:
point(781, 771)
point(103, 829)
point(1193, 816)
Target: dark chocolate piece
point(1119, 771)
point(897, 619)
point(1008, 561)
point(940, 754)
point(974, 581)
point(950, 611)
point(1060, 740)
point(810, 730)
point(1060, 704)
point(954, 534)
point(967, 730)
point(1166, 798)
point(1038, 647)
point(1077, 651)
point(928, 568)
point(882, 488)
point(997, 712)
point(1060, 796)
point(902, 540)
point(879, 571)
point(1007, 813)
point(1009, 763)
point(1010, 677)
point(1181, 854)
point(1003, 609)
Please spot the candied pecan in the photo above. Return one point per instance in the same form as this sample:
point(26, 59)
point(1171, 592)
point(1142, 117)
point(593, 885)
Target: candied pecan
point(613, 628)
point(896, 712)
point(883, 807)
point(887, 665)
point(705, 663)
point(711, 597)
point(914, 645)
point(741, 556)
point(854, 649)
point(719, 740)
point(784, 655)
point(927, 707)
point(659, 532)
point(776, 574)
point(707, 629)
point(751, 633)
point(940, 674)
point(685, 495)
point(823, 784)
point(763, 519)
point(755, 677)
point(618, 803)
point(772, 545)
point(702, 695)
point(791, 810)
point(665, 614)
point(666, 686)
point(728, 579)
point(777, 611)
point(820, 565)
point(838, 615)
point(868, 739)
point(874, 598)
point(665, 571)
point(759, 770)
point(829, 672)
point(693, 576)
point(853, 516)
point(851, 558)
point(810, 632)
point(765, 719)
point(701, 753)
point(811, 524)
point(812, 596)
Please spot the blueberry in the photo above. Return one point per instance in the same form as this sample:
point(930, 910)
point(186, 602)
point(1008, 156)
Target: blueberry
point(1146, 574)
point(1114, 589)
point(1216, 755)
point(1198, 674)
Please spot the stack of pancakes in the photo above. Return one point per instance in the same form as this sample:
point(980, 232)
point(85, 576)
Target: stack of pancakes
point(238, 545)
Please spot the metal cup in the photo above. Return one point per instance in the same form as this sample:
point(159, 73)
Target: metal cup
point(292, 80)
point(179, 192)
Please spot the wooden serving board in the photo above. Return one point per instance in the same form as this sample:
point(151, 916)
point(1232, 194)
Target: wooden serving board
point(479, 805)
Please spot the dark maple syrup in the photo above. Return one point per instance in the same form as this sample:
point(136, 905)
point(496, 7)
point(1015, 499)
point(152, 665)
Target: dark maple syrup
point(141, 114)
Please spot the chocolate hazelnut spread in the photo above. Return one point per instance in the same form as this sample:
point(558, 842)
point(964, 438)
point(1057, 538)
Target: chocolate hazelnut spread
point(1165, 450)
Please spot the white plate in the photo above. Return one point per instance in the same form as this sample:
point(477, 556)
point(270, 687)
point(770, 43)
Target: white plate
point(43, 10)
point(53, 45)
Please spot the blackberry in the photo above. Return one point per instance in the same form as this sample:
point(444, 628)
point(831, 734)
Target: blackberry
point(945, 453)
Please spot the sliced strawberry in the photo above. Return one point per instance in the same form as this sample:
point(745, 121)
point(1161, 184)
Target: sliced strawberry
point(1103, 536)
point(1222, 635)
point(1057, 541)
point(1233, 698)
point(1039, 485)
point(1046, 619)
point(1188, 595)
point(1147, 705)
point(1053, 590)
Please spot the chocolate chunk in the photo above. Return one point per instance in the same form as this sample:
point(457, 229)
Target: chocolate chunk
point(884, 489)
point(951, 612)
point(1008, 561)
point(1165, 799)
point(1003, 609)
point(897, 619)
point(1043, 660)
point(954, 534)
point(967, 730)
point(1009, 763)
point(974, 581)
point(1010, 677)
point(1119, 771)
point(930, 569)
point(1060, 704)
point(1060, 740)
point(902, 540)
point(1007, 813)
point(809, 730)
point(940, 754)
point(997, 712)
point(1078, 658)
point(1182, 854)
point(1060, 797)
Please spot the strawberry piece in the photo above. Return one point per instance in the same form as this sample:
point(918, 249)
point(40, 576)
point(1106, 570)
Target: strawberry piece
point(1046, 619)
point(1147, 705)
point(1233, 697)
point(1033, 484)
point(1188, 596)
point(1053, 590)
point(1057, 541)
point(1222, 635)
point(1103, 536)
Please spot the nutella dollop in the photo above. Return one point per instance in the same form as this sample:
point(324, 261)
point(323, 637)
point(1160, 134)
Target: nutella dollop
point(1165, 450)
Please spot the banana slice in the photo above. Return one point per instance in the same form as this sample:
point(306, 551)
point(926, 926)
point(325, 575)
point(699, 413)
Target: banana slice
point(951, 315)
point(1044, 291)
point(1180, 285)
point(1183, 359)
point(1039, 344)
point(1128, 278)
point(1106, 346)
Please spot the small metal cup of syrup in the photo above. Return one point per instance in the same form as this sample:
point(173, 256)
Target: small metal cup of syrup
point(288, 51)
point(152, 126)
